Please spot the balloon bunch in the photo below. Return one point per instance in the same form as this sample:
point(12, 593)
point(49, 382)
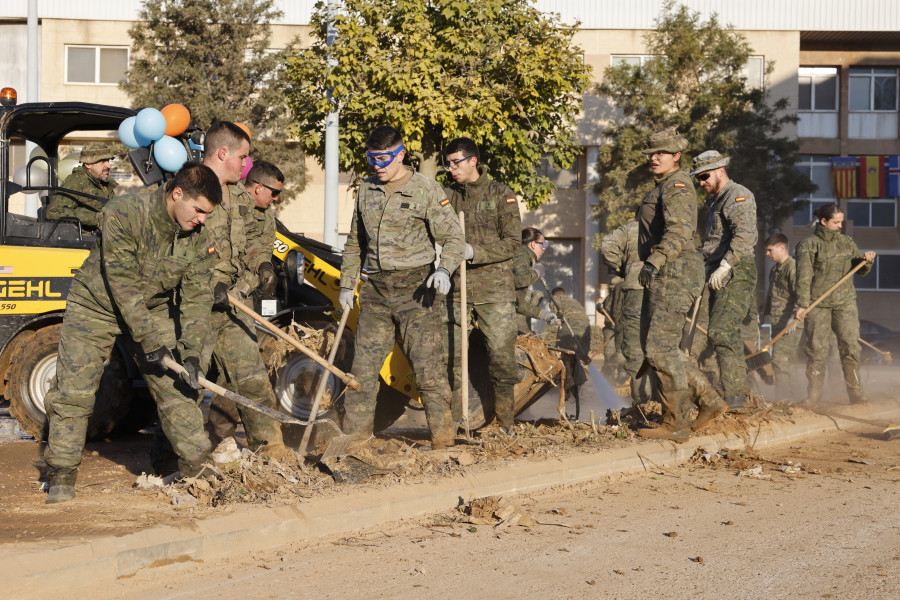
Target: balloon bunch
point(159, 127)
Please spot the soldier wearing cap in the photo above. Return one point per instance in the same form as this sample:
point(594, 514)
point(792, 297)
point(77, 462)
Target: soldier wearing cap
point(672, 277)
point(85, 187)
point(730, 268)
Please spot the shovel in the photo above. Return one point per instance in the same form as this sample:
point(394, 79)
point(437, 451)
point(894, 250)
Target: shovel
point(886, 355)
point(336, 447)
point(464, 346)
point(890, 431)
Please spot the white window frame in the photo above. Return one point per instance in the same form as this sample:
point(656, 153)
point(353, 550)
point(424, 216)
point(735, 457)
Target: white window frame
point(873, 274)
point(643, 58)
point(97, 49)
point(812, 73)
point(871, 76)
point(811, 161)
point(870, 202)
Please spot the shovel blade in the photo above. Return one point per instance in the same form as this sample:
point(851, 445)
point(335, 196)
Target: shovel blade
point(338, 446)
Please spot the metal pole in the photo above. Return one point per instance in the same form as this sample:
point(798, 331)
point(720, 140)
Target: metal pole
point(330, 228)
point(32, 92)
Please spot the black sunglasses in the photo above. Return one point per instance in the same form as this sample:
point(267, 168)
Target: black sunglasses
point(703, 176)
point(274, 191)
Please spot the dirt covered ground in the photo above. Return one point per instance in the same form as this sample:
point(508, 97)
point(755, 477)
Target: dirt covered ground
point(109, 502)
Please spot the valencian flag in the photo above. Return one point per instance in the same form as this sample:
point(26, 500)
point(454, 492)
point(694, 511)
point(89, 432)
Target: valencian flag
point(843, 175)
point(871, 176)
point(893, 176)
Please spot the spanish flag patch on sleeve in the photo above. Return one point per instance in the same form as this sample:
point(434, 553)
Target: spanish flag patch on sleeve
point(679, 184)
point(740, 199)
point(510, 200)
point(445, 201)
point(211, 250)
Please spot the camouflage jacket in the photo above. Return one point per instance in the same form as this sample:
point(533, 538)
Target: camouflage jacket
point(241, 248)
point(574, 313)
point(667, 219)
point(494, 230)
point(133, 272)
point(619, 251)
point(822, 259)
point(782, 297)
point(265, 220)
point(524, 276)
point(730, 226)
point(400, 232)
point(85, 209)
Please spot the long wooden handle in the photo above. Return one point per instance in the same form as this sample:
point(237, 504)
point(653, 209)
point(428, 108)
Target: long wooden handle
point(881, 352)
point(238, 399)
point(464, 324)
point(606, 314)
point(345, 377)
point(806, 310)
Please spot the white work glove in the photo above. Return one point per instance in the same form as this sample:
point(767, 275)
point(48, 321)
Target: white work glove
point(345, 298)
point(717, 279)
point(548, 316)
point(792, 329)
point(470, 252)
point(539, 269)
point(440, 281)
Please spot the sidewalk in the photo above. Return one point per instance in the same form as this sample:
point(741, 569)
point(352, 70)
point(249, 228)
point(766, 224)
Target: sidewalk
point(37, 569)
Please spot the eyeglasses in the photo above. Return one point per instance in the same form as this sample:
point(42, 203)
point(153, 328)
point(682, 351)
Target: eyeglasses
point(454, 164)
point(275, 191)
point(703, 176)
point(383, 159)
point(544, 244)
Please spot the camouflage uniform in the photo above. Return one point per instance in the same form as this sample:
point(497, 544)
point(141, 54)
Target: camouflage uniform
point(781, 303)
point(613, 359)
point(730, 236)
point(127, 286)
point(494, 230)
point(667, 218)
point(232, 342)
point(822, 259)
point(619, 251)
point(395, 237)
point(85, 209)
point(528, 305)
point(574, 313)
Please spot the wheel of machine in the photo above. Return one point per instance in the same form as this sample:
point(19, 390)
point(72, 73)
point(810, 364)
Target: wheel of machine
point(32, 373)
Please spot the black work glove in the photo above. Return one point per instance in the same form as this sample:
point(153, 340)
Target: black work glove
point(220, 295)
point(191, 375)
point(154, 359)
point(648, 272)
point(268, 280)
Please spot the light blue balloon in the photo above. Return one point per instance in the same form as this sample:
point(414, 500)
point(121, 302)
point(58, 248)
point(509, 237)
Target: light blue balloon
point(150, 124)
point(170, 154)
point(129, 136)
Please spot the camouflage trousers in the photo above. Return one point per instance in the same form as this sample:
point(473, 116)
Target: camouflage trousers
point(497, 322)
point(785, 350)
point(233, 345)
point(844, 321)
point(629, 326)
point(396, 305)
point(613, 357)
point(86, 340)
point(727, 308)
point(666, 302)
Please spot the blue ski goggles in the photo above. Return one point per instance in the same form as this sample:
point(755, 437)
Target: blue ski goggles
point(383, 159)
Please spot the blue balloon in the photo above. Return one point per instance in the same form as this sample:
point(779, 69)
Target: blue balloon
point(150, 124)
point(170, 154)
point(129, 136)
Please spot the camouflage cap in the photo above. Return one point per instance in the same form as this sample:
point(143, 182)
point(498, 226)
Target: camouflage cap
point(667, 140)
point(93, 153)
point(708, 161)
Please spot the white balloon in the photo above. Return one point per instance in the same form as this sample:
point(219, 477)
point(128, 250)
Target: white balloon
point(39, 175)
point(65, 168)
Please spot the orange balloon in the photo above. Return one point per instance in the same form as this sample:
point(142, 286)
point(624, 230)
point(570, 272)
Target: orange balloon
point(177, 119)
point(245, 128)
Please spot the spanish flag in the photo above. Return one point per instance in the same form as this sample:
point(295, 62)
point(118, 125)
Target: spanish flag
point(843, 175)
point(871, 176)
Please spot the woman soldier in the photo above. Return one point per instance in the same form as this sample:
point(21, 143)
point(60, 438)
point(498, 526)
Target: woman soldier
point(822, 259)
point(672, 276)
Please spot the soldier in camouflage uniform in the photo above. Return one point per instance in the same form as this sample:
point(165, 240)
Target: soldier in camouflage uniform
point(731, 270)
point(613, 304)
point(152, 247)
point(781, 303)
point(526, 272)
point(672, 277)
point(91, 178)
point(263, 183)
point(493, 234)
point(822, 259)
point(244, 266)
point(574, 313)
point(619, 251)
point(399, 217)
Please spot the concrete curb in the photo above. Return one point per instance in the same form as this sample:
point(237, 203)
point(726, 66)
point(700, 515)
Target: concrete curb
point(35, 573)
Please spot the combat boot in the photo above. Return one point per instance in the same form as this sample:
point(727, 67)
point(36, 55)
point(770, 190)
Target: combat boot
point(736, 404)
point(854, 386)
point(61, 488)
point(278, 451)
point(675, 425)
point(857, 396)
point(710, 410)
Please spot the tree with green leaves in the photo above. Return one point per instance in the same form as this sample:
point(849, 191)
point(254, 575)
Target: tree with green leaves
point(497, 71)
point(213, 56)
point(695, 81)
